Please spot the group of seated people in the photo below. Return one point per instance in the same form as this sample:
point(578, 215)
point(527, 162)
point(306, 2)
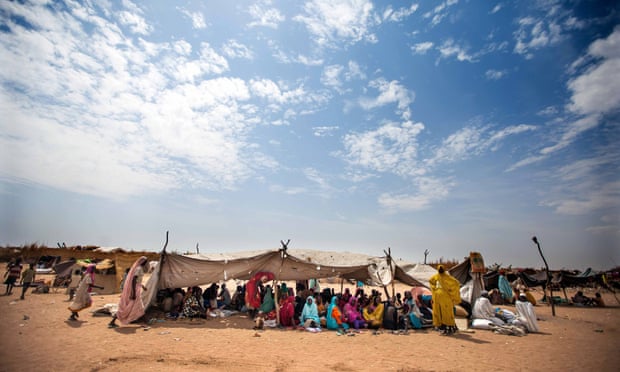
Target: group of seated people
point(580, 299)
point(196, 303)
point(346, 311)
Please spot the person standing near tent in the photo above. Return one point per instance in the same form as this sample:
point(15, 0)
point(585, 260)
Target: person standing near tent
point(27, 279)
point(12, 274)
point(82, 299)
point(130, 307)
point(253, 298)
point(446, 294)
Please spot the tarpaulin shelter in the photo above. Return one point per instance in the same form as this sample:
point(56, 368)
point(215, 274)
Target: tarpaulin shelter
point(177, 271)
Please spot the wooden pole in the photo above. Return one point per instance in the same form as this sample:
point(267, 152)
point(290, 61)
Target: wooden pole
point(535, 240)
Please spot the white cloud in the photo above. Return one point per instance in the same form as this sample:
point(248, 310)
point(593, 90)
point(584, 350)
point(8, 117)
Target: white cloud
point(264, 15)
point(470, 141)
point(389, 148)
point(331, 76)
point(132, 17)
point(439, 12)
point(422, 48)
point(450, 49)
point(496, 8)
point(197, 18)
point(540, 32)
point(597, 90)
point(389, 92)
point(116, 117)
point(399, 14)
point(495, 74)
point(354, 71)
point(335, 22)
point(234, 49)
point(429, 190)
point(594, 93)
point(325, 131)
point(600, 197)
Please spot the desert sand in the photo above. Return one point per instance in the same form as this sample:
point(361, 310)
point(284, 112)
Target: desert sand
point(35, 334)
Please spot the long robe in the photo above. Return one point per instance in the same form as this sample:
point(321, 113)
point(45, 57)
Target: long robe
point(334, 316)
point(374, 315)
point(526, 315)
point(445, 289)
point(353, 315)
point(268, 303)
point(287, 312)
point(130, 309)
point(484, 310)
point(82, 299)
point(252, 295)
point(310, 312)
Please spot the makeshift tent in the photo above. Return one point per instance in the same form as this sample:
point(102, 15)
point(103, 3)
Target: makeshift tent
point(119, 259)
point(179, 271)
point(419, 272)
point(470, 270)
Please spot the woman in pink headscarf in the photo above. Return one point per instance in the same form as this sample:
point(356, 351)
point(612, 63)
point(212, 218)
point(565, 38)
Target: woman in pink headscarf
point(130, 307)
point(353, 315)
point(82, 299)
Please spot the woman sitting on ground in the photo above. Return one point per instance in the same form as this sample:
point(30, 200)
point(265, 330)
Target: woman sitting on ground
point(320, 306)
point(373, 313)
point(411, 311)
point(309, 315)
point(353, 315)
point(287, 312)
point(335, 318)
point(191, 304)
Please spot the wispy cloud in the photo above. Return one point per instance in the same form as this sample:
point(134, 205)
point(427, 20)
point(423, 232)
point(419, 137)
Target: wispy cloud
point(324, 131)
point(449, 48)
point(399, 14)
point(197, 18)
point(427, 191)
point(263, 14)
point(157, 116)
point(390, 148)
point(594, 93)
point(495, 74)
point(472, 141)
point(422, 48)
point(389, 92)
point(234, 49)
point(439, 12)
point(338, 22)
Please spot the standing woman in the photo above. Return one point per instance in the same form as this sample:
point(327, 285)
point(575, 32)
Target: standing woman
point(445, 289)
point(82, 299)
point(130, 307)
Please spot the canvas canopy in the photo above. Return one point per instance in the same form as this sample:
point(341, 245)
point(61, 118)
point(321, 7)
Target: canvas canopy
point(179, 271)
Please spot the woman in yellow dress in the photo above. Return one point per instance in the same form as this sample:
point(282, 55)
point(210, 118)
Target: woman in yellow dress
point(445, 289)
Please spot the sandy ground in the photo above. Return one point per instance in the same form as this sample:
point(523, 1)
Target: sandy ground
point(36, 335)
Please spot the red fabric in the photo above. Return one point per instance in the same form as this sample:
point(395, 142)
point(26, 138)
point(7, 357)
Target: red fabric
point(252, 296)
point(287, 312)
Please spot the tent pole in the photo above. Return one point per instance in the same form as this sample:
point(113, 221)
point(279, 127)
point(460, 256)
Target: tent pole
point(535, 240)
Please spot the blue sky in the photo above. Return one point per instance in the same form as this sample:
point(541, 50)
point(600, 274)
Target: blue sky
point(342, 125)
